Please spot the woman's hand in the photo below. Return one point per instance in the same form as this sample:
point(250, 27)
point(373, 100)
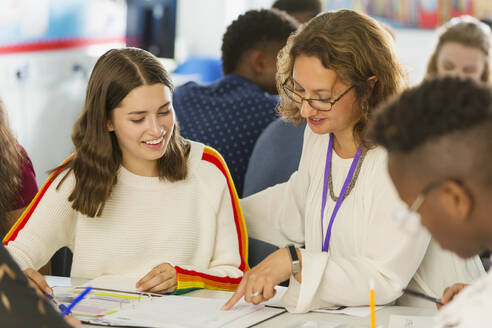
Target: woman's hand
point(75, 323)
point(161, 279)
point(450, 293)
point(258, 284)
point(36, 280)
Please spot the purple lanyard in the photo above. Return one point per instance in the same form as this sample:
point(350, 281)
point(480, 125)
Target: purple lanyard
point(350, 174)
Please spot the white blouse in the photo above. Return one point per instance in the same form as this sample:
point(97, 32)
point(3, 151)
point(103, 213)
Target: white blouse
point(365, 242)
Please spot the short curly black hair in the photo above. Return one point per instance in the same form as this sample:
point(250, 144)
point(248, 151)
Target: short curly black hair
point(254, 29)
point(435, 108)
point(295, 6)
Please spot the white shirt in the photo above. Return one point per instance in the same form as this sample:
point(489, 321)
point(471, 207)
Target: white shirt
point(365, 242)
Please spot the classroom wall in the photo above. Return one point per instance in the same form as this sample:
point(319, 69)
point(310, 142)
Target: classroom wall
point(201, 24)
point(44, 90)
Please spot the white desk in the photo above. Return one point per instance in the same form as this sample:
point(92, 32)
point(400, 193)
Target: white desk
point(288, 320)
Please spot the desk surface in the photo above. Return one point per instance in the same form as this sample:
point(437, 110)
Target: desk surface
point(288, 320)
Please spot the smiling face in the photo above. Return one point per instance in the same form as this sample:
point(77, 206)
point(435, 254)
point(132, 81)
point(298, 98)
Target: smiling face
point(312, 80)
point(143, 124)
point(455, 59)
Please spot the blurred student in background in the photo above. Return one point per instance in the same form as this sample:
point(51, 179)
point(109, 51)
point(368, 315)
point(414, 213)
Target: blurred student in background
point(463, 50)
point(301, 10)
point(230, 114)
point(439, 141)
point(17, 178)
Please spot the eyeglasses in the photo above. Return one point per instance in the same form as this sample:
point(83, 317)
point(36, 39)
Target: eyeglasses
point(408, 218)
point(322, 105)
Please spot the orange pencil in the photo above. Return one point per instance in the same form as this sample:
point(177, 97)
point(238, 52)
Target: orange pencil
point(372, 303)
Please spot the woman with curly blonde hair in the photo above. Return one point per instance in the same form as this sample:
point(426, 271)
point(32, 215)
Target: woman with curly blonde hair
point(332, 73)
point(136, 199)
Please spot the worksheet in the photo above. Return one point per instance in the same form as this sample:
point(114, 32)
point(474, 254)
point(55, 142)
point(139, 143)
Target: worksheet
point(172, 311)
point(98, 303)
point(403, 321)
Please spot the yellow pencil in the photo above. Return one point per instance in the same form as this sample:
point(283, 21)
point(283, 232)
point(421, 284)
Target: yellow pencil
point(372, 304)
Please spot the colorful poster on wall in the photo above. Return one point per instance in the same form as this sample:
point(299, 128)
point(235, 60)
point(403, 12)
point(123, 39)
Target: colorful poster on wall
point(419, 13)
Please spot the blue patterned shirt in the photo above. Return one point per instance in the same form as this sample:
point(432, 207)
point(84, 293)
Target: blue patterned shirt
point(227, 115)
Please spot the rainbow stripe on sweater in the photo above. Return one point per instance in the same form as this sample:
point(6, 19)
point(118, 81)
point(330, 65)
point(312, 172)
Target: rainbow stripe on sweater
point(189, 280)
point(21, 222)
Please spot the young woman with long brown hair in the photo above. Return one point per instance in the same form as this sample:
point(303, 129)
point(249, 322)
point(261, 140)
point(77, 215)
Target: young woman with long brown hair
point(340, 203)
point(17, 178)
point(136, 199)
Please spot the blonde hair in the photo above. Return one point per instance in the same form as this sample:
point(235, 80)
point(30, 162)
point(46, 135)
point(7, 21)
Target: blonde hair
point(357, 48)
point(467, 31)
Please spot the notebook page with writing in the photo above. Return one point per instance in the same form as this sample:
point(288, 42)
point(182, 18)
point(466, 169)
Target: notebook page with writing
point(191, 312)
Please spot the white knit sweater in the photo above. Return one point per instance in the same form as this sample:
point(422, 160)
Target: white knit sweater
point(195, 224)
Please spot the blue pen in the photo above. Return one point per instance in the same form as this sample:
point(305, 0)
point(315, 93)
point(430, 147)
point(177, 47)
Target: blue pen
point(75, 301)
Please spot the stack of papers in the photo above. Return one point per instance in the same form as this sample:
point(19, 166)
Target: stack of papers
point(114, 301)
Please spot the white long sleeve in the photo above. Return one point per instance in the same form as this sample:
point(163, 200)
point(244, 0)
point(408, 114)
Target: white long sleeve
point(365, 242)
point(52, 228)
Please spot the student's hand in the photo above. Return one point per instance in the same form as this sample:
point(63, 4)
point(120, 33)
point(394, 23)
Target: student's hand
point(258, 284)
point(450, 293)
point(73, 322)
point(161, 279)
point(36, 280)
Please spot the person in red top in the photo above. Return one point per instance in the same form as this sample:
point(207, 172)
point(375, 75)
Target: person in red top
point(17, 178)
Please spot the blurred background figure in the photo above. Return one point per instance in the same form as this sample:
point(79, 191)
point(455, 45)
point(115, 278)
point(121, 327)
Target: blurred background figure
point(17, 178)
point(463, 50)
point(230, 114)
point(302, 10)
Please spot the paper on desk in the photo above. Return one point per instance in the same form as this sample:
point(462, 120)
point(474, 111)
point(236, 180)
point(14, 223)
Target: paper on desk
point(320, 324)
point(58, 281)
point(116, 282)
point(404, 321)
point(184, 311)
point(97, 303)
point(355, 311)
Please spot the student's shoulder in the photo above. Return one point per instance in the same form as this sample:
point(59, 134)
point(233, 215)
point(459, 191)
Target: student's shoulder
point(61, 179)
point(207, 164)
point(185, 89)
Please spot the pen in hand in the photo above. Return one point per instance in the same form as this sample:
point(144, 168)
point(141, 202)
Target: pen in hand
point(75, 301)
point(421, 295)
point(62, 307)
